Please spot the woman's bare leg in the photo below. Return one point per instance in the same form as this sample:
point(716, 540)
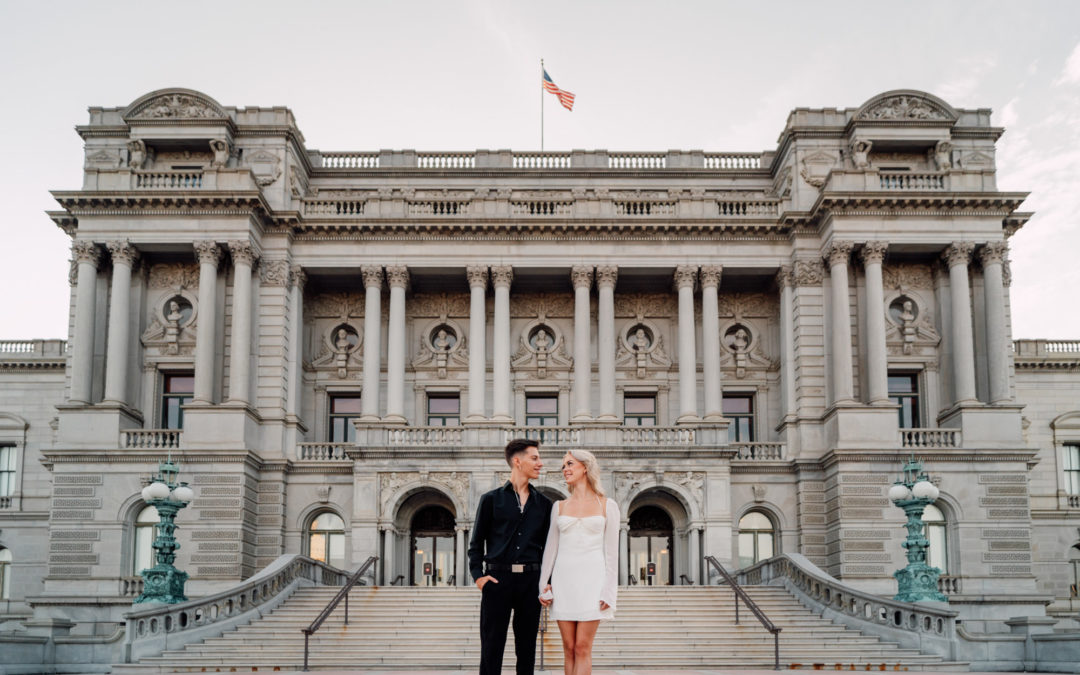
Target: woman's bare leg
point(568, 631)
point(583, 642)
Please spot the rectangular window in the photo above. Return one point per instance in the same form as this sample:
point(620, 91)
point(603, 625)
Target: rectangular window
point(1072, 468)
point(443, 410)
point(542, 410)
point(7, 470)
point(904, 391)
point(639, 410)
point(176, 391)
point(739, 410)
point(343, 410)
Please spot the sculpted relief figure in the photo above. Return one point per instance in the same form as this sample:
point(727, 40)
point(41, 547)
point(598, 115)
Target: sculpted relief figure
point(172, 327)
point(860, 154)
point(136, 154)
point(441, 341)
point(741, 341)
point(220, 148)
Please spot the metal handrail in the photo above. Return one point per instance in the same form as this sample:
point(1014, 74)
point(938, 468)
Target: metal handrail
point(740, 593)
point(325, 613)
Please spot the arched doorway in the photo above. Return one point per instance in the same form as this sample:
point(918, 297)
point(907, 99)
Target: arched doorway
point(651, 546)
point(433, 547)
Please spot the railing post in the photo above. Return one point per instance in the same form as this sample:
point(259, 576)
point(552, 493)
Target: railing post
point(347, 608)
point(736, 606)
point(306, 636)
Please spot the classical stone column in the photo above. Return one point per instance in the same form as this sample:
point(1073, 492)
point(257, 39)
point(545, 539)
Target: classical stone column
point(957, 257)
point(877, 360)
point(459, 557)
point(624, 554)
point(244, 256)
point(992, 257)
point(581, 276)
point(685, 276)
point(786, 281)
point(477, 276)
point(710, 336)
point(86, 256)
point(298, 279)
point(837, 255)
point(388, 553)
point(123, 256)
point(209, 256)
point(397, 277)
point(373, 279)
point(695, 552)
point(605, 335)
point(501, 276)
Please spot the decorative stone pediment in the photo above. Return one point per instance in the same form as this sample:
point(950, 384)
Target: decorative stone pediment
point(906, 105)
point(175, 104)
point(816, 166)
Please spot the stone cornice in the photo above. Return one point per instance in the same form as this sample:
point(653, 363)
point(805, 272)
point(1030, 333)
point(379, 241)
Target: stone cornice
point(516, 230)
point(918, 203)
point(20, 365)
point(1068, 365)
point(160, 202)
point(901, 455)
point(51, 456)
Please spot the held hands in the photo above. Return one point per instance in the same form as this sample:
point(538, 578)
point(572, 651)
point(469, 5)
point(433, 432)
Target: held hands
point(482, 581)
point(603, 605)
point(546, 598)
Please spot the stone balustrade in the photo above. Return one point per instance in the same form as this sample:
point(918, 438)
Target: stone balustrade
point(542, 208)
point(1038, 348)
point(914, 626)
point(151, 439)
point(645, 208)
point(424, 436)
point(506, 159)
point(32, 348)
point(760, 451)
point(131, 587)
point(346, 208)
point(930, 438)
point(151, 631)
point(948, 585)
point(438, 207)
point(903, 180)
point(170, 180)
point(323, 452)
point(5, 503)
point(748, 209)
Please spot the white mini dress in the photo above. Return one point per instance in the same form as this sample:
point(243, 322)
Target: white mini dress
point(581, 558)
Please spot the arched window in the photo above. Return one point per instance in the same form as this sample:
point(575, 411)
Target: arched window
point(757, 538)
point(142, 556)
point(5, 574)
point(326, 539)
point(934, 531)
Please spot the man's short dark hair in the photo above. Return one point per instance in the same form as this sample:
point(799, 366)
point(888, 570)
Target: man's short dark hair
point(518, 446)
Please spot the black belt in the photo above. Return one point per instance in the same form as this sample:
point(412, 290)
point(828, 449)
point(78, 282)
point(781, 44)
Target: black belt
point(515, 568)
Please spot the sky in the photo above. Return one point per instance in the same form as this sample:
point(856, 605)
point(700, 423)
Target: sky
point(461, 75)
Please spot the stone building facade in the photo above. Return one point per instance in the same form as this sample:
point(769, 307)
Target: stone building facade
point(336, 346)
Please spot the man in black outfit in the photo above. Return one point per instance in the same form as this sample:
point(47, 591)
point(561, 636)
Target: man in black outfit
point(505, 552)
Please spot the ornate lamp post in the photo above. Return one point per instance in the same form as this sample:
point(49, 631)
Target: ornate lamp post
point(918, 581)
point(163, 582)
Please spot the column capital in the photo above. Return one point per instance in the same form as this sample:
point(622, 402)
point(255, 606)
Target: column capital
point(606, 276)
point(807, 273)
point(710, 275)
point(685, 275)
point(207, 252)
point(122, 252)
point(477, 275)
point(243, 251)
point(297, 277)
point(785, 277)
point(86, 252)
point(958, 253)
point(373, 276)
point(873, 252)
point(838, 252)
point(397, 276)
point(581, 275)
point(502, 276)
point(993, 252)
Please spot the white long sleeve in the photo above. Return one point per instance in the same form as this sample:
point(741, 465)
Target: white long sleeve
point(551, 548)
point(611, 554)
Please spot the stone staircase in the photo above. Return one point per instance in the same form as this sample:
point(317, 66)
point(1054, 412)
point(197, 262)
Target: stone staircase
point(437, 628)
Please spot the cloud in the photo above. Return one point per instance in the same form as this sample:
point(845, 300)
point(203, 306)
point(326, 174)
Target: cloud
point(962, 86)
point(1071, 73)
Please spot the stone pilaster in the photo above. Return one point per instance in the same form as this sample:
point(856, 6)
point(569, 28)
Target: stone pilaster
point(244, 256)
point(397, 277)
point(710, 336)
point(957, 257)
point(837, 255)
point(606, 276)
point(992, 257)
point(685, 276)
point(877, 360)
point(124, 256)
point(208, 254)
point(87, 258)
point(501, 278)
point(297, 281)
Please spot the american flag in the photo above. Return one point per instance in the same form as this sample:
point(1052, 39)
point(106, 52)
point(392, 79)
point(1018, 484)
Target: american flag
point(565, 97)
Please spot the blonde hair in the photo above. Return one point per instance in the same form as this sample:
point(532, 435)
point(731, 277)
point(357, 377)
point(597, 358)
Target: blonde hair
point(592, 469)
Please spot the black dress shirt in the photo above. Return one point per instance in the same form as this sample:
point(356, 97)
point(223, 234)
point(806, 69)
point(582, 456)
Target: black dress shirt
point(504, 534)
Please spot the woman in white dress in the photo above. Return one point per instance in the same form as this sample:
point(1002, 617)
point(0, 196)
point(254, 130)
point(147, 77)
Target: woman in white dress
point(581, 558)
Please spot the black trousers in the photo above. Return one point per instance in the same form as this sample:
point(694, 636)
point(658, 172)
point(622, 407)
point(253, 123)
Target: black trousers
point(515, 593)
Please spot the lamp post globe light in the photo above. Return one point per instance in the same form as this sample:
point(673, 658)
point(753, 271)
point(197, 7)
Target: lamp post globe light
point(163, 582)
point(913, 492)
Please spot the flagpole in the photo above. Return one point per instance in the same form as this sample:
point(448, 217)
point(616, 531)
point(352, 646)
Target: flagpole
point(541, 105)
